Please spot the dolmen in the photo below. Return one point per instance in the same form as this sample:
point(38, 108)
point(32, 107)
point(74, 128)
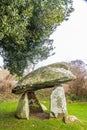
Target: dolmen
point(49, 76)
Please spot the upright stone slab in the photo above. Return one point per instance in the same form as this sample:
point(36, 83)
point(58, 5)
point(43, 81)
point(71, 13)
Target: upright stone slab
point(22, 111)
point(58, 103)
point(34, 105)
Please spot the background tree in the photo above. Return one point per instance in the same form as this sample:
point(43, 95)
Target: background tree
point(78, 88)
point(25, 27)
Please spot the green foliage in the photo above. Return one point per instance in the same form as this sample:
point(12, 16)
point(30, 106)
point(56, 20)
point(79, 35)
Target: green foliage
point(25, 27)
point(74, 97)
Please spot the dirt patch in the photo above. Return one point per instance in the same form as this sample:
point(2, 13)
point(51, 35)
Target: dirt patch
point(41, 115)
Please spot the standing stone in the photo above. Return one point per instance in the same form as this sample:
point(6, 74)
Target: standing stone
point(22, 111)
point(58, 103)
point(34, 105)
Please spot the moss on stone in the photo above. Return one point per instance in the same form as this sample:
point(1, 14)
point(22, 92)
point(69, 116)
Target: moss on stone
point(44, 77)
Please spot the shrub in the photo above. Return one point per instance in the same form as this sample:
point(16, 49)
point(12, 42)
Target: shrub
point(73, 97)
point(7, 81)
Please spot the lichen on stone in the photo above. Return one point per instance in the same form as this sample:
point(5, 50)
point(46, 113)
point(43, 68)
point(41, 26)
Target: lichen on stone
point(44, 77)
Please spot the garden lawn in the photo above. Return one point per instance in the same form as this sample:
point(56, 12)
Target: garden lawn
point(9, 122)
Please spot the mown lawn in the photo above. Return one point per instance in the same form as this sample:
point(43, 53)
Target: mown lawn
point(9, 122)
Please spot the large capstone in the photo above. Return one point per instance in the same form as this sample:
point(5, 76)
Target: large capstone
point(44, 77)
point(22, 111)
point(58, 107)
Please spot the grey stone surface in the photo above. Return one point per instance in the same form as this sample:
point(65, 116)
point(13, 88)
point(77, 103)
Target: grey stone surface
point(22, 111)
point(44, 108)
point(58, 106)
point(34, 105)
point(44, 77)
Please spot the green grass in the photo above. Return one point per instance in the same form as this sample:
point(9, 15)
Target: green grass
point(9, 122)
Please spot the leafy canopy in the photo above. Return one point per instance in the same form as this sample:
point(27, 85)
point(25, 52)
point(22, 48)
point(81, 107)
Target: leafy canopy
point(25, 27)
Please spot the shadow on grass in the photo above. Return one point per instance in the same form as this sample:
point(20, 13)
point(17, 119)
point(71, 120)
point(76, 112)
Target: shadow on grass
point(6, 115)
point(40, 115)
point(38, 121)
point(11, 116)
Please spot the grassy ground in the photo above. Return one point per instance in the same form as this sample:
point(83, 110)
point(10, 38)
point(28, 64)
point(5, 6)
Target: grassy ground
point(9, 122)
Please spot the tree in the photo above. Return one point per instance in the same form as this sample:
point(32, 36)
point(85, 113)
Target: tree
point(25, 27)
point(78, 88)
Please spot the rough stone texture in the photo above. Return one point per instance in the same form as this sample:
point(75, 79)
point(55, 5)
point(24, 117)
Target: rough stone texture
point(58, 103)
point(27, 105)
point(44, 108)
point(70, 119)
point(44, 77)
point(22, 111)
point(34, 105)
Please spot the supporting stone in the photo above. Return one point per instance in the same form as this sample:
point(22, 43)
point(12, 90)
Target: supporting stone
point(28, 103)
point(34, 105)
point(58, 103)
point(22, 111)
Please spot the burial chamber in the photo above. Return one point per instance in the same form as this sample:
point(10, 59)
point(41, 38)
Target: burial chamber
point(44, 77)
